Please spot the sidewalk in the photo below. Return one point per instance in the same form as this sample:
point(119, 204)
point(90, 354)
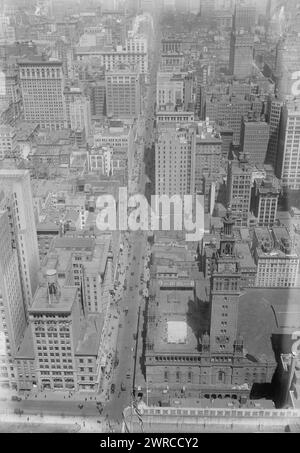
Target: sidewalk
point(73, 424)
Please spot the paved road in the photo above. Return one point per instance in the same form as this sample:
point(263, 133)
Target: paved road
point(126, 342)
point(124, 373)
point(53, 407)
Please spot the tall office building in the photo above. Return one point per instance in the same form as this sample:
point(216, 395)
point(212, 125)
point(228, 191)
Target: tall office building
point(274, 109)
point(287, 66)
point(207, 8)
point(225, 293)
point(17, 201)
point(80, 115)
point(97, 93)
point(241, 54)
point(229, 110)
point(175, 160)
point(265, 200)
point(244, 17)
point(12, 310)
point(255, 138)
point(239, 183)
point(123, 93)
point(170, 93)
point(208, 154)
point(288, 161)
point(42, 86)
point(277, 261)
point(55, 324)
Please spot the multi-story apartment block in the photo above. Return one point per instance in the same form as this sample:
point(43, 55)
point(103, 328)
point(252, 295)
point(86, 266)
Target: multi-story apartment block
point(288, 161)
point(239, 183)
point(277, 262)
point(255, 138)
point(123, 93)
point(17, 201)
point(175, 160)
point(42, 86)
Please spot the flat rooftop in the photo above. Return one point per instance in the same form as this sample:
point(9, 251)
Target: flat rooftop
point(266, 320)
point(63, 304)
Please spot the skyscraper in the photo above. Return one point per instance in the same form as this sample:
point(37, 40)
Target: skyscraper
point(175, 160)
point(55, 322)
point(239, 183)
point(288, 162)
point(42, 85)
point(12, 310)
point(80, 115)
point(241, 54)
point(265, 200)
point(274, 109)
point(287, 66)
point(17, 201)
point(244, 17)
point(123, 97)
point(255, 138)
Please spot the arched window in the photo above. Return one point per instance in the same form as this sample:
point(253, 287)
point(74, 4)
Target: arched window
point(221, 376)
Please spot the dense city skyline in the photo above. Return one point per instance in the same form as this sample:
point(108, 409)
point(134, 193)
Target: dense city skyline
point(150, 215)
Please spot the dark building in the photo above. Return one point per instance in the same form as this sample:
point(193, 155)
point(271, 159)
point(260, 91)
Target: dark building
point(255, 138)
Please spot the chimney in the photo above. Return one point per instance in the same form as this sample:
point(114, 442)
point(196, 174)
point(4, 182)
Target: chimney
point(52, 286)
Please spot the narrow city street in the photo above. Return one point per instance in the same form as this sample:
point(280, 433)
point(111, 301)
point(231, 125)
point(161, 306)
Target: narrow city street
point(132, 304)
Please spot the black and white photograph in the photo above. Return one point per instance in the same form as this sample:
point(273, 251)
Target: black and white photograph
point(149, 220)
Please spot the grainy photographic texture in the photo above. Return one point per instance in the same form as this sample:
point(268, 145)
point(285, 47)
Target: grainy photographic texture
point(149, 218)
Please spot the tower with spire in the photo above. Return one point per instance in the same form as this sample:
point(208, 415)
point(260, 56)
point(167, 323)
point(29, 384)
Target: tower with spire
point(225, 292)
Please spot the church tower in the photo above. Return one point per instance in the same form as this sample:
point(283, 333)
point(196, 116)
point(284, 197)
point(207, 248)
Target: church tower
point(225, 292)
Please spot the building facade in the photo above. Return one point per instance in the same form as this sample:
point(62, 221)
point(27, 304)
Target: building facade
point(42, 86)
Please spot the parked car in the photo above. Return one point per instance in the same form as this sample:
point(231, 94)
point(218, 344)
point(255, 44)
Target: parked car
point(16, 398)
point(18, 411)
point(123, 387)
point(112, 388)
